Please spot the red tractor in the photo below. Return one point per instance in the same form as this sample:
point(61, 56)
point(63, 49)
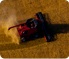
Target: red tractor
point(36, 27)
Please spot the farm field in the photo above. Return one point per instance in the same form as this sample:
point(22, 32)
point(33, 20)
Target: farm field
point(13, 12)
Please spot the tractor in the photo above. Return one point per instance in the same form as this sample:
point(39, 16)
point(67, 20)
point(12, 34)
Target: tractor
point(33, 28)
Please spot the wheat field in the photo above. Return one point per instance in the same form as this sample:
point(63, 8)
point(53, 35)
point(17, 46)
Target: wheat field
point(13, 12)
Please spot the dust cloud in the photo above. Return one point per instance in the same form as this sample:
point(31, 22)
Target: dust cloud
point(9, 21)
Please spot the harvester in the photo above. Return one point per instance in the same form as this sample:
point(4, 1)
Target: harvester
point(33, 28)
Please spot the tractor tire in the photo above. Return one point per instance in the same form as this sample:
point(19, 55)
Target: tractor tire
point(45, 27)
point(23, 39)
point(40, 16)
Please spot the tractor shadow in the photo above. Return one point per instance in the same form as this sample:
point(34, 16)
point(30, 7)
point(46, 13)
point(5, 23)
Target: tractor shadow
point(53, 28)
point(56, 28)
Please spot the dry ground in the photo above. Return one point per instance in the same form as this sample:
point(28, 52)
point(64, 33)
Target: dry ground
point(58, 11)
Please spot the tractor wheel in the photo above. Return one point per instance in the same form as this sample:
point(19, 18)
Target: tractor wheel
point(40, 16)
point(48, 38)
point(44, 26)
point(23, 39)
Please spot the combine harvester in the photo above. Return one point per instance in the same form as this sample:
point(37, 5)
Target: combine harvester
point(33, 28)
